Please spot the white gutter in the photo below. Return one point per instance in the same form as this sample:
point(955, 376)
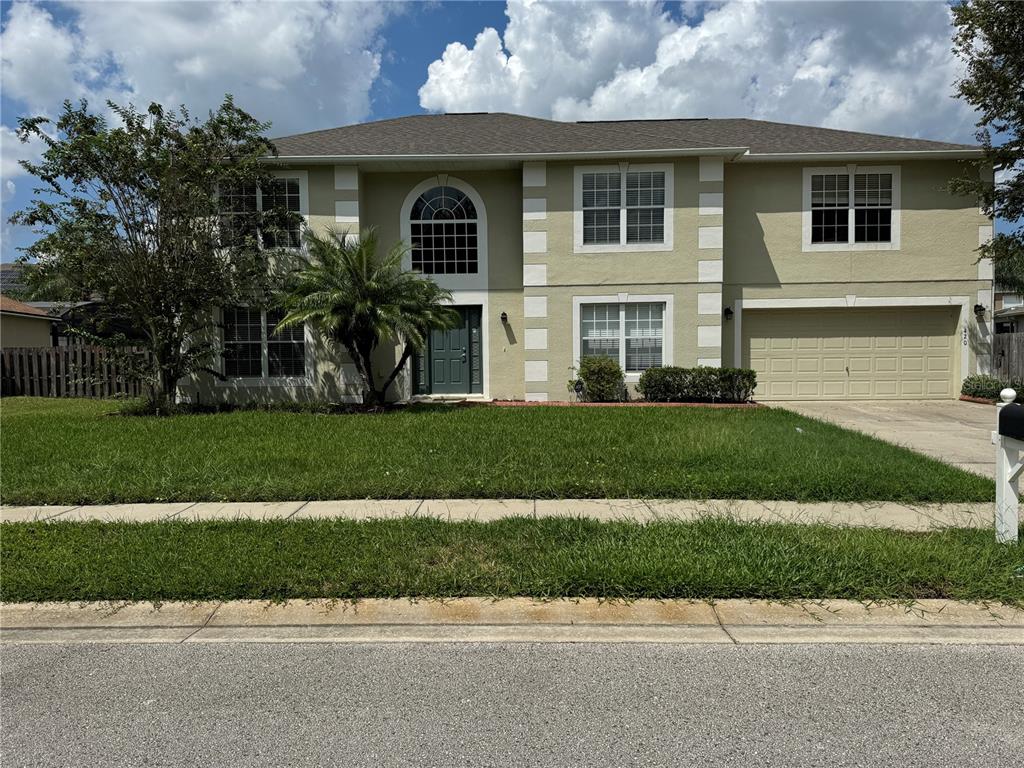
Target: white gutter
point(31, 315)
point(523, 156)
point(906, 154)
point(736, 154)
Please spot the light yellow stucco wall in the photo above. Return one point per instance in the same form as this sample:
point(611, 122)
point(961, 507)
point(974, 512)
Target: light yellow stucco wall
point(939, 237)
point(763, 230)
point(565, 267)
point(382, 196)
point(761, 253)
point(21, 331)
point(620, 274)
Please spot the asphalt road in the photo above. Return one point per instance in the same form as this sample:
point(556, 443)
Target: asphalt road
point(503, 705)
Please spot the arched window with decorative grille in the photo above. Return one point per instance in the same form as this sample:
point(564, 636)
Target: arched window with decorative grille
point(443, 232)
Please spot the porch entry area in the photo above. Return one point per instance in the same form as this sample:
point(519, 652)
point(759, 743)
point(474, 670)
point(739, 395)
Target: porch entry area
point(453, 364)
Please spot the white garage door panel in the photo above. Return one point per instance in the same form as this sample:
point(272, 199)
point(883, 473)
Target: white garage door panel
point(834, 354)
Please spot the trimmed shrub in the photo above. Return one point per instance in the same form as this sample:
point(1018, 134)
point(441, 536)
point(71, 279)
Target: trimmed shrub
point(602, 379)
point(987, 387)
point(697, 385)
point(982, 385)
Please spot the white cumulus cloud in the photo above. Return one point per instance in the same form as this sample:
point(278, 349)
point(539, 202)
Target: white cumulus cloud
point(301, 65)
point(884, 67)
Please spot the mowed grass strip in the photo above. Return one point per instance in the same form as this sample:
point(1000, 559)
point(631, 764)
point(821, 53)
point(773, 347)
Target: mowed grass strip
point(83, 452)
point(548, 557)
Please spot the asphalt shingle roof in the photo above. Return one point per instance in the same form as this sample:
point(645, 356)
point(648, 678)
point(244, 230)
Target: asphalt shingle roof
point(506, 134)
point(7, 304)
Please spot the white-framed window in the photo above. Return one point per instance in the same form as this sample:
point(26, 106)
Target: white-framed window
point(443, 231)
point(634, 330)
point(288, 189)
point(624, 207)
point(443, 220)
point(251, 348)
point(851, 208)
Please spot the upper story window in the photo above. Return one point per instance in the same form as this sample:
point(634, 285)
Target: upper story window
point(602, 204)
point(253, 349)
point(443, 232)
point(241, 203)
point(623, 208)
point(851, 208)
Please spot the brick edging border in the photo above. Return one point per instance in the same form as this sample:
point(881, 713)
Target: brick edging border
point(979, 400)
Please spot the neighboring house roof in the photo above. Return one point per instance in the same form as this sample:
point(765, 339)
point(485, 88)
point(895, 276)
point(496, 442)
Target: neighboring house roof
point(503, 134)
point(58, 309)
point(10, 306)
point(11, 278)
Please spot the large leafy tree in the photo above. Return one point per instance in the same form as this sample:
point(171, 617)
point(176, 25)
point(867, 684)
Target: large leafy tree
point(358, 297)
point(988, 37)
point(132, 212)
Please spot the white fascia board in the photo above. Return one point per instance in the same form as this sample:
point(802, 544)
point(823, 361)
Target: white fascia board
point(729, 152)
point(917, 154)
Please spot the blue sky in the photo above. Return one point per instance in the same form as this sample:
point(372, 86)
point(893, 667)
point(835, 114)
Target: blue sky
point(306, 65)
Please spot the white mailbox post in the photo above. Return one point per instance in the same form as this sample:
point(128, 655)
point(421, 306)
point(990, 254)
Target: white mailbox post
point(1009, 441)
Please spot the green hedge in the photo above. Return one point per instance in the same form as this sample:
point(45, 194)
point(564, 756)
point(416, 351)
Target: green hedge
point(697, 385)
point(988, 387)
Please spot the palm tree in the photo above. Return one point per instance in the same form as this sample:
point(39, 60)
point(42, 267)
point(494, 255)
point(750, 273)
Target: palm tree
point(360, 299)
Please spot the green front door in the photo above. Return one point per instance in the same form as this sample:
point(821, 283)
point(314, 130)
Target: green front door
point(453, 363)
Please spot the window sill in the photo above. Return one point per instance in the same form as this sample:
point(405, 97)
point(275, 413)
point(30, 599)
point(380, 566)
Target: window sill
point(261, 381)
point(849, 247)
point(622, 248)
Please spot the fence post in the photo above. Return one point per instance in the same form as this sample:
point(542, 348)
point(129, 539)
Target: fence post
point(1007, 473)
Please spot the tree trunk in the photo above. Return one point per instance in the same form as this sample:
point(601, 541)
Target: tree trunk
point(371, 396)
point(406, 354)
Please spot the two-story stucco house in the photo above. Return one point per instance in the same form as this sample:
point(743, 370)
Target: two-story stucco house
point(834, 263)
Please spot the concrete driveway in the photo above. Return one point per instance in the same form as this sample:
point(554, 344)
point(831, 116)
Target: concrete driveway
point(952, 431)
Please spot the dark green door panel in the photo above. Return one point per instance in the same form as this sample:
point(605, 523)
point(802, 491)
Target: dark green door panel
point(454, 358)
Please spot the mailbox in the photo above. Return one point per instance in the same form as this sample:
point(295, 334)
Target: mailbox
point(1011, 421)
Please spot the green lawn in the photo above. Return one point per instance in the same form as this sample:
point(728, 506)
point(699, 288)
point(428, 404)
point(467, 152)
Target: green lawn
point(711, 558)
point(82, 451)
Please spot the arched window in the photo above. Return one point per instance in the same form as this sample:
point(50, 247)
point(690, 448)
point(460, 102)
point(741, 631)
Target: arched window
point(443, 231)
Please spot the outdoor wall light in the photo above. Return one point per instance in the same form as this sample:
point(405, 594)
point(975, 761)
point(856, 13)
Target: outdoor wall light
point(979, 311)
point(504, 318)
point(727, 313)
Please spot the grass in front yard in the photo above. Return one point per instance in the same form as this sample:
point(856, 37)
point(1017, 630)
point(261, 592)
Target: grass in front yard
point(81, 451)
point(549, 557)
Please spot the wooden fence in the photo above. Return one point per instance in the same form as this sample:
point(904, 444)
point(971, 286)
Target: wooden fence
point(1008, 356)
point(77, 371)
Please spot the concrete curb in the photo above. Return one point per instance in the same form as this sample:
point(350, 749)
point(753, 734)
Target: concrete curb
point(892, 515)
point(514, 620)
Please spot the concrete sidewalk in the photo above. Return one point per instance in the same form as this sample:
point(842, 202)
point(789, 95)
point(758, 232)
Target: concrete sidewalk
point(892, 515)
point(514, 620)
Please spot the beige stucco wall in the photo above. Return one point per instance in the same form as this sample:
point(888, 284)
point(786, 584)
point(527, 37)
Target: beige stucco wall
point(379, 198)
point(763, 230)
point(382, 197)
point(21, 331)
point(623, 273)
point(937, 256)
point(753, 251)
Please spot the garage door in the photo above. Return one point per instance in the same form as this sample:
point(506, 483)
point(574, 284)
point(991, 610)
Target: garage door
point(835, 354)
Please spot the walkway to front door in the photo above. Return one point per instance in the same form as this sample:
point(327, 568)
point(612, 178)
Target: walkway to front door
point(453, 363)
